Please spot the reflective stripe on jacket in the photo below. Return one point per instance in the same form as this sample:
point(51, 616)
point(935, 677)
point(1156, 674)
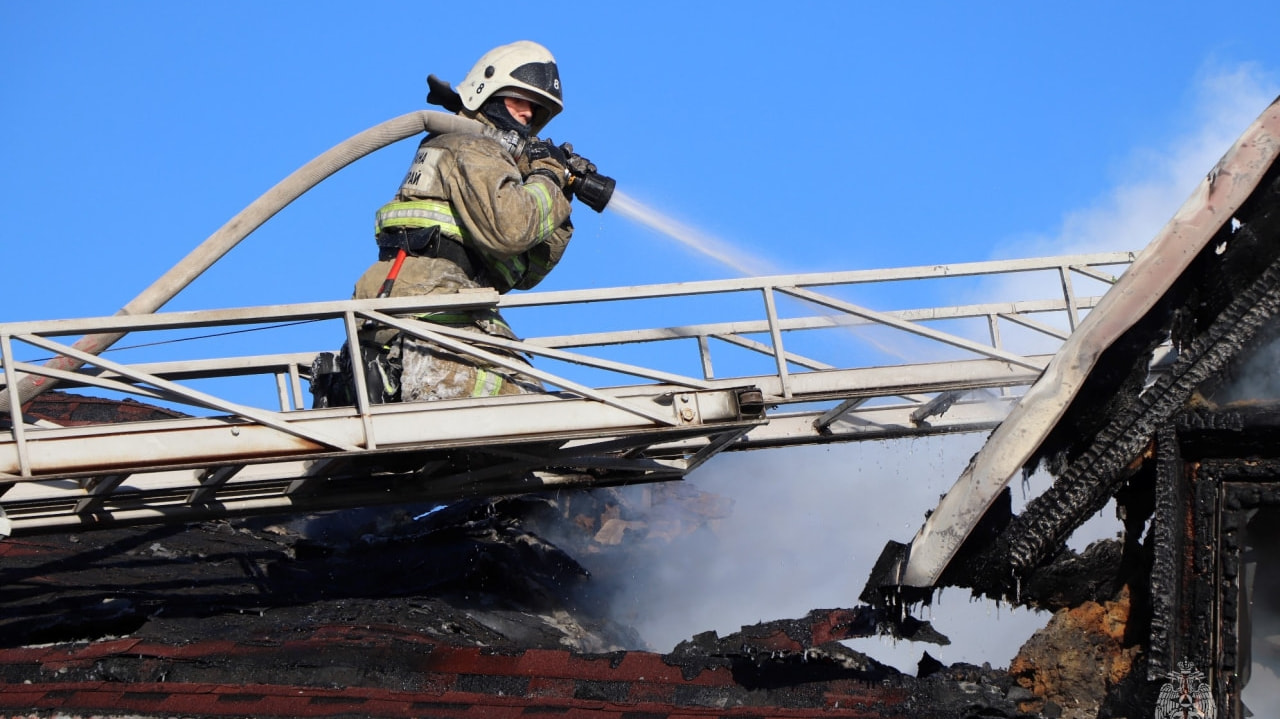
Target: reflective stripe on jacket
point(504, 273)
point(419, 213)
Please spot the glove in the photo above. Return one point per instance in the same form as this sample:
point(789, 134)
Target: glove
point(579, 166)
point(547, 159)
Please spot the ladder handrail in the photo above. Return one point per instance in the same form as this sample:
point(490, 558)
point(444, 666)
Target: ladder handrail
point(833, 313)
point(259, 458)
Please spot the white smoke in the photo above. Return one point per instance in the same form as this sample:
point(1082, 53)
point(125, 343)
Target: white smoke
point(1262, 580)
point(1156, 181)
point(809, 522)
point(1159, 179)
point(807, 525)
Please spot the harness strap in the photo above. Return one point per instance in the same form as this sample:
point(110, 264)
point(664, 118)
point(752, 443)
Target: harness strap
point(426, 242)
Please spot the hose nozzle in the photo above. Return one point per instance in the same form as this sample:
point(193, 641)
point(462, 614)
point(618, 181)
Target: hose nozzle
point(592, 189)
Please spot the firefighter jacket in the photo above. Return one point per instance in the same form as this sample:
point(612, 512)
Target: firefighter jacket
point(514, 230)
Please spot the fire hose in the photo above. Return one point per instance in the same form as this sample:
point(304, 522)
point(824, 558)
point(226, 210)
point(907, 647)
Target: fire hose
point(593, 189)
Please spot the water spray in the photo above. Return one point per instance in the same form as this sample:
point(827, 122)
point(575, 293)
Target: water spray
point(731, 257)
point(598, 191)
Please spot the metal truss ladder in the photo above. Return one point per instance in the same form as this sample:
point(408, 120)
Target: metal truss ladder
point(241, 450)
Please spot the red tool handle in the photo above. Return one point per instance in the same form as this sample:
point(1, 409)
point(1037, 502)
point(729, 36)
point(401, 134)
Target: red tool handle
point(385, 290)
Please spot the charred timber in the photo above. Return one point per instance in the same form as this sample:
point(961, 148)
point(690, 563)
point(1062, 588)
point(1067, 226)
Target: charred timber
point(1211, 336)
point(1235, 258)
point(462, 612)
point(1216, 503)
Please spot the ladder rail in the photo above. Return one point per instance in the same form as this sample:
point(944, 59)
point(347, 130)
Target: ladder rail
point(247, 457)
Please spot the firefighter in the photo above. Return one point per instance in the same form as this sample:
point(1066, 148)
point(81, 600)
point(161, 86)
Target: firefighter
point(472, 211)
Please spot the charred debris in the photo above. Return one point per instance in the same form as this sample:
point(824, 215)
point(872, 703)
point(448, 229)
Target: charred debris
point(426, 611)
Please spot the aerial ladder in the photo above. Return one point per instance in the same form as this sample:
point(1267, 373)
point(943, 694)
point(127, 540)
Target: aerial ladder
point(623, 405)
point(739, 364)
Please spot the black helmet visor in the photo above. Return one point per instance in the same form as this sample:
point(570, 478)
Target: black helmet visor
point(542, 75)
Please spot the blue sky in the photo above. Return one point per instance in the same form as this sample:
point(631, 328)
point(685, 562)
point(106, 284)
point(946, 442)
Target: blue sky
point(830, 136)
point(819, 136)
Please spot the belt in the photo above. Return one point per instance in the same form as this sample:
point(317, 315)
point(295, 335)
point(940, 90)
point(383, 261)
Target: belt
point(425, 242)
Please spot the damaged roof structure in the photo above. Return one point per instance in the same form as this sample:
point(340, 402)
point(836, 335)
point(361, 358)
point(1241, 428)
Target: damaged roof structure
point(471, 611)
point(1182, 448)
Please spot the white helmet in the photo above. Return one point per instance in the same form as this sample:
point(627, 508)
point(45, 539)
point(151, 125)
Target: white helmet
point(522, 69)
